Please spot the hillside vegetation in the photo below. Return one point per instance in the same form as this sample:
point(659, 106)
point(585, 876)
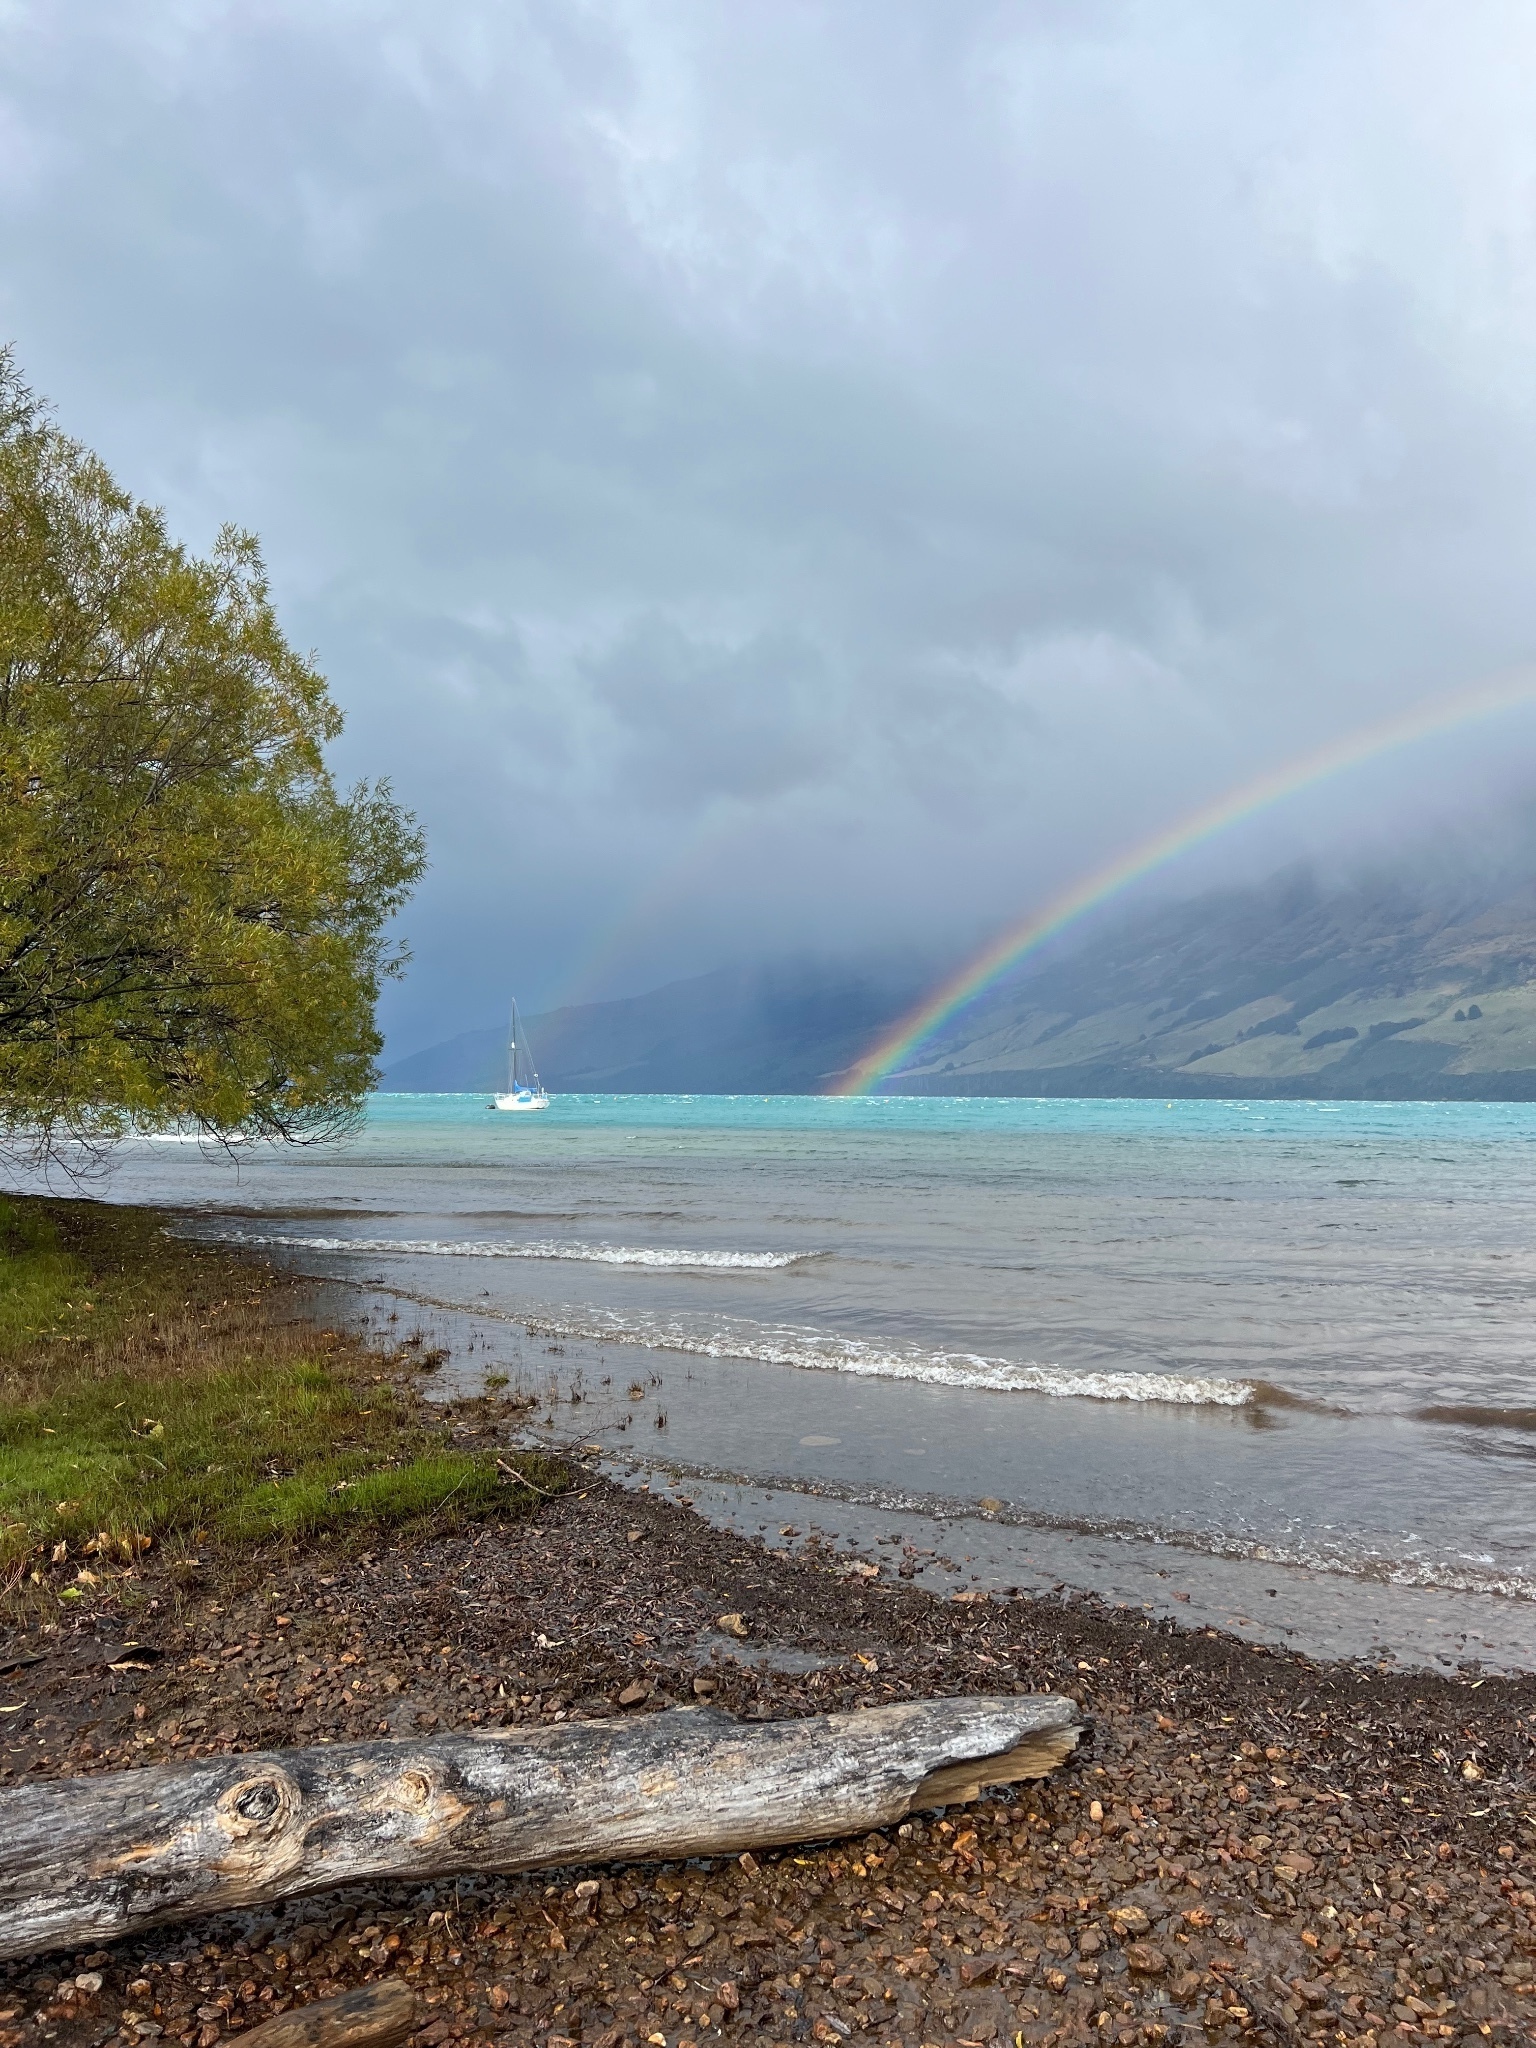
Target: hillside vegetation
point(1374, 990)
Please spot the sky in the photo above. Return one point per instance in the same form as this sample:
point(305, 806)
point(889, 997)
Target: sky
point(811, 475)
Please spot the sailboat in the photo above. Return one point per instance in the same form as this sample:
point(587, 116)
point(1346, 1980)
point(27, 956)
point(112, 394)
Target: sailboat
point(523, 1087)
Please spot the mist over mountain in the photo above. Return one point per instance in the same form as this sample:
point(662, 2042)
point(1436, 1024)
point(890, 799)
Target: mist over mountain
point(1416, 985)
point(1416, 982)
point(1412, 984)
point(784, 1029)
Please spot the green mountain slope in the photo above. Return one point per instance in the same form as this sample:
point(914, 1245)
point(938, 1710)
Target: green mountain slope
point(1375, 990)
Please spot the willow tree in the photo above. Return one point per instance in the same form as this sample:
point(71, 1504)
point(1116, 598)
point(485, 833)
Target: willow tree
point(192, 914)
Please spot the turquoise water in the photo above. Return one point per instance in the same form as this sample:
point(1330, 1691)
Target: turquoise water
point(1292, 1331)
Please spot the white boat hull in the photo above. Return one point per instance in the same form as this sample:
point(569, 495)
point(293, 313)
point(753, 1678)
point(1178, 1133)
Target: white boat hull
point(523, 1100)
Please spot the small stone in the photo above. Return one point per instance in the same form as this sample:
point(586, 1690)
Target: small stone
point(731, 1625)
point(1129, 1920)
point(634, 1693)
point(1146, 1960)
point(704, 1687)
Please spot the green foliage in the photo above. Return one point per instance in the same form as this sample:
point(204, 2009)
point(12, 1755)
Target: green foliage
point(191, 914)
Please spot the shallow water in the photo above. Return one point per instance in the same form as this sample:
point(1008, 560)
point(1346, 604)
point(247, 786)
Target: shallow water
point(1292, 1333)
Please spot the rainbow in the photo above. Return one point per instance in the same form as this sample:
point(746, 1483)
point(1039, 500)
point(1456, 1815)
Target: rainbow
point(1005, 952)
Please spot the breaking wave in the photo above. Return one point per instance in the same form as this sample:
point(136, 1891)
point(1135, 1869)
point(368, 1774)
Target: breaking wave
point(817, 1351)
point(672, 1258)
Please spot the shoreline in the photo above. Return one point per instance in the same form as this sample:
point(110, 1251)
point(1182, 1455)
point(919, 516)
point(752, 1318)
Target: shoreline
point(1255, 1847)
point(1332, 1614)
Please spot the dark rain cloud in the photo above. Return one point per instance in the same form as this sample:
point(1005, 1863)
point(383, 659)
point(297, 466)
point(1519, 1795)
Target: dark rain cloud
point(809, 474)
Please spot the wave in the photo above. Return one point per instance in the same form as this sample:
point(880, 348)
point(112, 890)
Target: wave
point(1470, 1414)
point(671, 1258)
point(190, 1138)
point(816, 1351)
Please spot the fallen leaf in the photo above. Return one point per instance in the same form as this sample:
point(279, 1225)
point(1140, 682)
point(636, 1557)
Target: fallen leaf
point(132, 1656)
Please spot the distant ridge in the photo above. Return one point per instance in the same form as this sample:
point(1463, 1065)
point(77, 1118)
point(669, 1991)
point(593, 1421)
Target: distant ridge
point(1386, 990)
point(1291, 989)
point(781, 1030)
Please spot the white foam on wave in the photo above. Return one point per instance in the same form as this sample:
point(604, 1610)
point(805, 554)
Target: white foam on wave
point(817, 1351)
point(670, 1257)
point(192, 1138)
point(807, 1350)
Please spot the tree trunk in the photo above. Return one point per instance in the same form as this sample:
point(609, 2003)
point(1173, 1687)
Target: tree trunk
point(88, 1860)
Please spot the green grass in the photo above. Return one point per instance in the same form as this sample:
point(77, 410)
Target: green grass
point(147, 1390)
point(44, 1292)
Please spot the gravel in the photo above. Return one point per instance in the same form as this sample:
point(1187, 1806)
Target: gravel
point(1254, 1847)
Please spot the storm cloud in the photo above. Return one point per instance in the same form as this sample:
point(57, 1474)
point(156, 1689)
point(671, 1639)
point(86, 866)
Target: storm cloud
point(808, 475)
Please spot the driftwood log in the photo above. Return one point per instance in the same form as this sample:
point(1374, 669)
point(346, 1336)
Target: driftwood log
point(87, 1860)
point(369, 2016)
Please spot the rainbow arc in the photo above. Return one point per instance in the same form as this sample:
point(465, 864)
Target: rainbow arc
point(903, 1041)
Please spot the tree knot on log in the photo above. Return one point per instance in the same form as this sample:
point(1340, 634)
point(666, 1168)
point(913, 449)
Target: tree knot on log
point(418, 1801)
point(257, 1802)
point(257, 1818)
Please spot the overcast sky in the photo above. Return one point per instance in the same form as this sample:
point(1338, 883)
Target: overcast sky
point(769, 474)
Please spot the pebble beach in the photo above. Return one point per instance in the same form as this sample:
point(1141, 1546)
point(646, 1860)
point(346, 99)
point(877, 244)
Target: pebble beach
point(1253, 1847)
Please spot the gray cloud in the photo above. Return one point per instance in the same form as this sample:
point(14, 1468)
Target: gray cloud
point(811, 474)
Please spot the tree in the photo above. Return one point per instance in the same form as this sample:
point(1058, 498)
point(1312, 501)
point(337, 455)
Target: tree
point(192, 916)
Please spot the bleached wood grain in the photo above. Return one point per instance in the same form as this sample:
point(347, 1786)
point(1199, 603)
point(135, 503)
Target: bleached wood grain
point(87, 1860)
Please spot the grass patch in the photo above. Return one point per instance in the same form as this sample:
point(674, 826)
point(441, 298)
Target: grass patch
point(147, 1389)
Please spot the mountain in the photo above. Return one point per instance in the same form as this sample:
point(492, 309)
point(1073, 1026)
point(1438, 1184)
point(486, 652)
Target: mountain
point(781, 1030)
point(1388, 988)
point(1407, 987)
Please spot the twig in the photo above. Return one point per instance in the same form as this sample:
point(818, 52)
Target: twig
point(503, 1466)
